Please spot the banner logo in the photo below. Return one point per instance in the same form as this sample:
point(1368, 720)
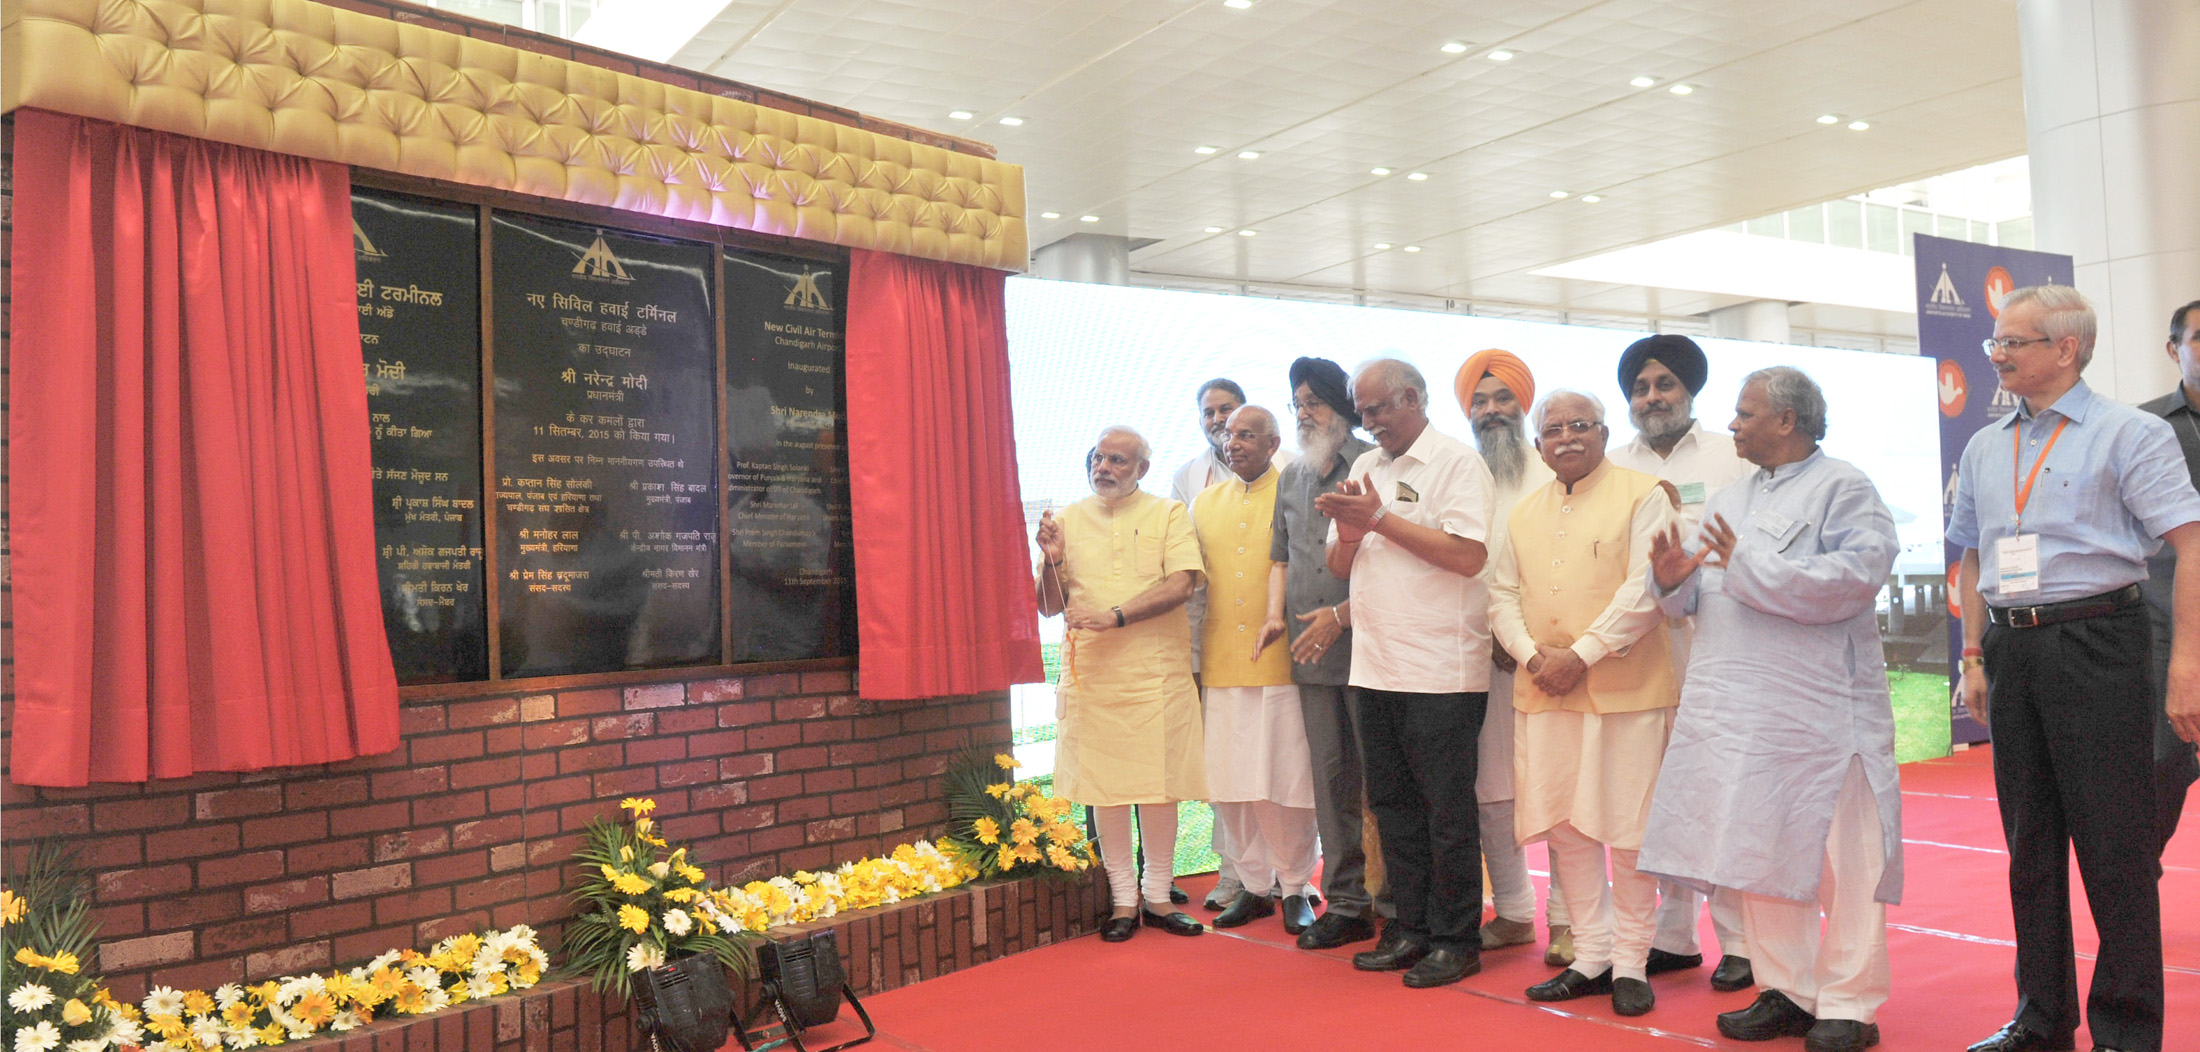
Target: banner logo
point(364, 245)
point(599, 264)
point(804, 295)
point(1998, 287)
point(1944, 302)
point(1954, 388)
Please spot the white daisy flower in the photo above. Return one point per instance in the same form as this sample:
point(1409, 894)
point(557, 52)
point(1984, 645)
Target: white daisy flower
point(164, 1000)
point(678, 923)
point(30, 997)
point(207, 1031)
point(480, 986)
point(38, 1038)
point(521, 932)
point(345, 1020)
point(241, 1038)
point(438, 999)
point(228, 994)
point(381, 962)
point(125, 1031)
point(88, 1044)
point(425, 977)
point(643, 956)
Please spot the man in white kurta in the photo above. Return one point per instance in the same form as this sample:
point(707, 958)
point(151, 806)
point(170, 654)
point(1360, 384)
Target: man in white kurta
point(1260, 774)
point(1595, 698)
point(1661, 376)
point(1495, 388)
point(1217, 399)
point(1780, 781)
point(1118, 567)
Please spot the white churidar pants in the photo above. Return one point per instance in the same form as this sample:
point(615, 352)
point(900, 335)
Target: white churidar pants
point(1616, 913)
point(1157, 824)
point(1839, 972)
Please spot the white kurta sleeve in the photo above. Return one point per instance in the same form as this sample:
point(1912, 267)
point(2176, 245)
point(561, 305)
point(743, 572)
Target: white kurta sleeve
point(1507, 625)
point(1632, 611)
point(1840, 579)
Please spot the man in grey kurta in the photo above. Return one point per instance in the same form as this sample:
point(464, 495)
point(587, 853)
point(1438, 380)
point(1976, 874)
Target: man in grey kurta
point(1780, 778)
point(1310, 609)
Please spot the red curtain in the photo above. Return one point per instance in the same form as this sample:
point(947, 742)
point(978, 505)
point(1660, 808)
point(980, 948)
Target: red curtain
point(943, 589)
point(190, 501)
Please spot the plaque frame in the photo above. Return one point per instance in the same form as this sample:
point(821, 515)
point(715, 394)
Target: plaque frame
point(721, 239)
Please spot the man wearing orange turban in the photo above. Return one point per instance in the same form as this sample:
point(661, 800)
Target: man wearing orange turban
point(1505, 366)
point(1495, 389)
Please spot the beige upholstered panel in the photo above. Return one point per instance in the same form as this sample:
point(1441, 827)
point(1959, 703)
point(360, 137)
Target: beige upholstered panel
point(301, 78)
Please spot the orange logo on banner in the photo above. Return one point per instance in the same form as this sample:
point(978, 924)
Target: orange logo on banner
point(1955, 605)
point(1954, 392)
point(1998, 287)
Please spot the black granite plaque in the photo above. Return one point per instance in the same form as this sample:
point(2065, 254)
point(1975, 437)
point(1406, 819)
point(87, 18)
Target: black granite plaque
point(420, 337)
point(606, 457)
point(788, 536)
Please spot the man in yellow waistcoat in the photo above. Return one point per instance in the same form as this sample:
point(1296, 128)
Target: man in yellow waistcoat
point(1260, 774)
point(1119, 565)
point(1595, 691)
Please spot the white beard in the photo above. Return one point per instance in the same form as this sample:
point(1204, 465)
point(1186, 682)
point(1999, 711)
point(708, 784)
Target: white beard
point(1669, 424)
point(1505, 450)
point(1320, 445)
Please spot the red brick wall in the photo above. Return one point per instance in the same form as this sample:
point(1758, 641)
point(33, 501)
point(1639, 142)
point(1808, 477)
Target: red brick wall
point(472, 821)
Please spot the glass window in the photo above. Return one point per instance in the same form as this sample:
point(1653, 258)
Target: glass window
point(2015, 233)
point(1914, 222)
point(1951, 227)
point(1882, 229)
point(1845, 223)
point(1768, 226)
point(1807, 224)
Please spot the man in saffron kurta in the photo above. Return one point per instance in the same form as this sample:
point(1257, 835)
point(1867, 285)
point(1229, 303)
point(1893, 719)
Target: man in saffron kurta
point(1595, 694)
point(1780, 778)
point(1119, 566)
point(1260, 775)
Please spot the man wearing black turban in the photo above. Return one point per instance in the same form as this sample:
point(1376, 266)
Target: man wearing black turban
point(1314, 619)
point(1661, 376)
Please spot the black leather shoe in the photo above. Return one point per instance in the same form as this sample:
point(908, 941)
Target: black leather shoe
point(1118, 929)
point(1394, 953)
point(1633, 997)
point(1841, 1035)
point(1569, 984)
point(1441, 968)
point(1173, 923)
point(2017, 1037)
point(1298, 914)
point(1247, 909)
point(1334, 929)
point(1733, 973)
point(1662, 961)
point(1771, 1015)
point(1177, 895)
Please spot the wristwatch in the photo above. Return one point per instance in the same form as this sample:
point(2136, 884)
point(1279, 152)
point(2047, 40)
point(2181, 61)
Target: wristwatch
point(1119, 617)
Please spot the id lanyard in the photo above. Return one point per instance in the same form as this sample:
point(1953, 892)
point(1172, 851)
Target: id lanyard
point(2016, 452)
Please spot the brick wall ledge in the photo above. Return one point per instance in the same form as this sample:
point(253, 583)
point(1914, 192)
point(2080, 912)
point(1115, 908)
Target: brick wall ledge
point(883, 948)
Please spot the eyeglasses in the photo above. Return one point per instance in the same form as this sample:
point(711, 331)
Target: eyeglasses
point(2009, 343)
point(1554, 432)
point(1312, 403)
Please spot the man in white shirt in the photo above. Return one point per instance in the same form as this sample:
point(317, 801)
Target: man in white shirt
point(1661, 376)
point(1407, 532)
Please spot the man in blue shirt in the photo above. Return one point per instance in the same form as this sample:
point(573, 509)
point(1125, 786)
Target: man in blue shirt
point(2057, 508)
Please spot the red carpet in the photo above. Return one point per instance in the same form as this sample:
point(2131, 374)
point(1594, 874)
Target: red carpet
point(1950, 944)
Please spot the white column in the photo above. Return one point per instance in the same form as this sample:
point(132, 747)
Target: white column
point(2112, 101)
point(1764, 321)
point(1101, 259)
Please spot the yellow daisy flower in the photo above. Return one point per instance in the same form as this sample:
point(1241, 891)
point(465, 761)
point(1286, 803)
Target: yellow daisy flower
point(633, 918)
point(630, 884)
point(1028, 852)
point(199, 1002)
point(1006, 762)
point(1023, 831)
point(997, 790)
point(989, 831)
point(12, 907)
point(640, 805)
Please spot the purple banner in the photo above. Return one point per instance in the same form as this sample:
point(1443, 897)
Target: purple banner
point(1959, 291)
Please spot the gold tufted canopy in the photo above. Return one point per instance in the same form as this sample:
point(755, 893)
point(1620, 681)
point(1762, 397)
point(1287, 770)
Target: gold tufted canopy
point(302, 78)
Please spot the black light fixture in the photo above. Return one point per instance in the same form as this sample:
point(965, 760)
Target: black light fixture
point(803, 984)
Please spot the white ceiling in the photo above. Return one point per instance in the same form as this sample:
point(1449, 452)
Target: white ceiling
point(1115, 94)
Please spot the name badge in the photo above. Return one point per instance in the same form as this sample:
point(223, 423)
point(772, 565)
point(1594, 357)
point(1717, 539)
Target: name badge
point(1774, 523)
point(1691, 492)
point(1407, 493)
point(2017, 560)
